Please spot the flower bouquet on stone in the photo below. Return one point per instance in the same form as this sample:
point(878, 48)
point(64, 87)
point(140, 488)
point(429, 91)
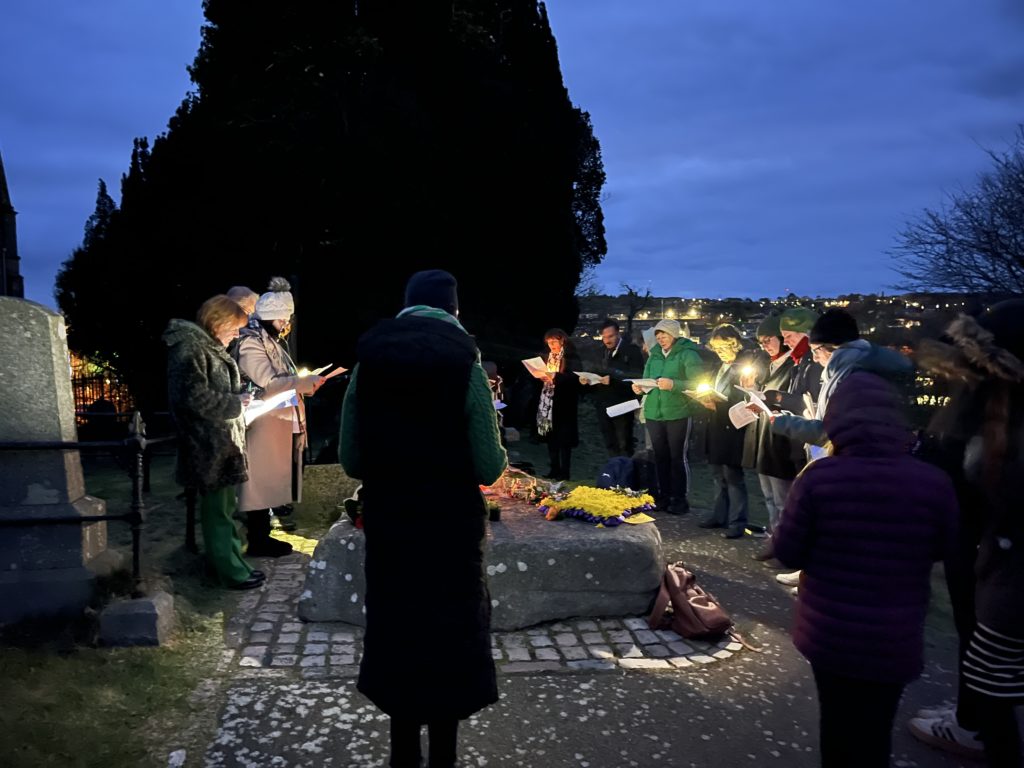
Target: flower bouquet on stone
point(606, 507)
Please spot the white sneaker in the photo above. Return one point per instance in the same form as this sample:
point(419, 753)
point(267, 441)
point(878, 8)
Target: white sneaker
point(794, 591)
point(939, 710)
point(789, 579)
point(944, 733)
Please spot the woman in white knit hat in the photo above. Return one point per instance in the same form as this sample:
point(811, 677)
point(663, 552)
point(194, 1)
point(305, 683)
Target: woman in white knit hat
point(676, 366)
point(275, 440)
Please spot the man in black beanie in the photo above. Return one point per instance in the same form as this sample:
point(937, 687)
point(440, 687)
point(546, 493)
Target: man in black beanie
point(837, 346)
point(433, 288)
point(424, 517)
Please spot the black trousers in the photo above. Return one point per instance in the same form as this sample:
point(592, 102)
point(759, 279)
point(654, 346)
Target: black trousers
point(670, 442)
point(405, 743)
point(561, 461)
point(617, 432)
point(856, 720)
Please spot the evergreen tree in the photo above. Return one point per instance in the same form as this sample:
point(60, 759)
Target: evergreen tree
point(368, 139)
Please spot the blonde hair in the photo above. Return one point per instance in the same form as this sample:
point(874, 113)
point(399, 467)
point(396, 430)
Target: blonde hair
point(219, 310)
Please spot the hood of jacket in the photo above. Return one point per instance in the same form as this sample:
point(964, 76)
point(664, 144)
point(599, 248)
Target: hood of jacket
point(865, 418)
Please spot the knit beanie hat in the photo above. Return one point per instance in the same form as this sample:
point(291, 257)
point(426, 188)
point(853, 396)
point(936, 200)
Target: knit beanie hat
point(277, 303)
point(671, 327)
point(797, 320)
point(434, 288)
point(768, 327)
point(836, 326)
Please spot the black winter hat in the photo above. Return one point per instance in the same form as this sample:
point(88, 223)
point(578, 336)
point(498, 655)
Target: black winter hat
point(434, 288)
point(836, 326)
point(1006, 322)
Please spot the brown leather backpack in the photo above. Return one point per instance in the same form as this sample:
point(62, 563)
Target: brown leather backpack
point(695, 613)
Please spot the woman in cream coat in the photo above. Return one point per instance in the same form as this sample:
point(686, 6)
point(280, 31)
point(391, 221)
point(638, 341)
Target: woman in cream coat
point(275, 440)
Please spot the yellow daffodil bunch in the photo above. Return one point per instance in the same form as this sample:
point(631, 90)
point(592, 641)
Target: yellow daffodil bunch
point(606, 507)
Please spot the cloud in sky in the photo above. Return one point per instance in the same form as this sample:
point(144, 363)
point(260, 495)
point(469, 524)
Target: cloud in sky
point(751, 148)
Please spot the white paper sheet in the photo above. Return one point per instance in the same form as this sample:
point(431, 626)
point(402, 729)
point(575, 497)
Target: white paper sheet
point(259, 407)
point(620, 408)
point(592, 378)
point(645, 384)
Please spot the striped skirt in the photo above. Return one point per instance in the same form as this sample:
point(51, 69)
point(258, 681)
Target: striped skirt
point(995, 665)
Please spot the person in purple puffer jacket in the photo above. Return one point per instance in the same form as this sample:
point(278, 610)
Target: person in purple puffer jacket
point(865, 524)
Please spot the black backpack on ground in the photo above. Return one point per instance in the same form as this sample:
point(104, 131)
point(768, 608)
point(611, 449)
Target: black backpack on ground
point(617, 472)
point(645, 473)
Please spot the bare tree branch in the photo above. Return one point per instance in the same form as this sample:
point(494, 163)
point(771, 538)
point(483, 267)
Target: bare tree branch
point(975, 241)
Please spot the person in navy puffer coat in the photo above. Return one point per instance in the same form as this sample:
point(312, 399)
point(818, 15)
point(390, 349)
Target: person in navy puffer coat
point(865, 524)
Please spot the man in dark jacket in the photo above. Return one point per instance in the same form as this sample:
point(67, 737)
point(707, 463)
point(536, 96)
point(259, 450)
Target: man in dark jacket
point(620, 360)
point(424, 517)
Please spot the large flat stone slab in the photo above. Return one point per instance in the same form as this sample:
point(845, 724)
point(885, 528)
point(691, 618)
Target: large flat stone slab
point(537, 570)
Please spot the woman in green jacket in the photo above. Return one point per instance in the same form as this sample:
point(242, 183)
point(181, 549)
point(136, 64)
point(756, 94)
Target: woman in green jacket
point(676, 366)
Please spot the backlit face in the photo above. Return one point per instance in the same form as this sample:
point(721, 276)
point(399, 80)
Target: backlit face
point(770, 344)
point(228, 332)
point(283, 327)
point(792, 338)
point(664, 340)
point(610, 337)
point(554, 344)
point(726, 349)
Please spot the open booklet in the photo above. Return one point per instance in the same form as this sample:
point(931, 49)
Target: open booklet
point(740, 415)
point(644, 384)
point(705, 391)
point(257, 408)
point(753, 393)
point(756, 400)
point(536, 366)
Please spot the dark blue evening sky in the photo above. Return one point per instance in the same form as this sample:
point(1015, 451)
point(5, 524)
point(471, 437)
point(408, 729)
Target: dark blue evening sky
point(752, 148)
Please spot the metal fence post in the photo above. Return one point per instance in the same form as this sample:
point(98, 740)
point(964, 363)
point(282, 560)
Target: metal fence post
point(137, 444)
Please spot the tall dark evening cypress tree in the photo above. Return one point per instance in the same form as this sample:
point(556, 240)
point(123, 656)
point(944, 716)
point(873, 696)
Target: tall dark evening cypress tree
point(346, 145)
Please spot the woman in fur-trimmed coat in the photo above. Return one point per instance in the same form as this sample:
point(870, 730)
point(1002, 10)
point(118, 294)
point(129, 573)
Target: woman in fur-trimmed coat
point(978, 438)
point(204, 393)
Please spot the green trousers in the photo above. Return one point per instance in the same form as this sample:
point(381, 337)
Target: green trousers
point(220, 538)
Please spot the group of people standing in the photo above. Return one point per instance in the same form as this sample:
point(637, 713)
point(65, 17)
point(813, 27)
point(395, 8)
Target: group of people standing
point(861, 515)
point(850, 505)
point(234, 352)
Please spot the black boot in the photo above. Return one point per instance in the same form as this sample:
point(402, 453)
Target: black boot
point(556, 464)
point(258, 534)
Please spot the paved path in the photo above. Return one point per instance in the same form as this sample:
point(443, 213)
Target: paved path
point(583, 693)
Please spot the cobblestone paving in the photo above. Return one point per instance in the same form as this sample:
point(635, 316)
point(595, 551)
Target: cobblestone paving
point(269, 637)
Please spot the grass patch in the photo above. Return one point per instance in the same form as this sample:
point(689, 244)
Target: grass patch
point(103, 708)
point(69, 703)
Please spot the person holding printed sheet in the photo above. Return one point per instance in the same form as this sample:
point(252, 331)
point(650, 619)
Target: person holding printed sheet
point(620, 360)
point(676, 366)
point(276, 439)
point(723, 441)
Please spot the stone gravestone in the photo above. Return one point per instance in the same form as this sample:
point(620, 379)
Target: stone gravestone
point(537, 570)
point(44, 569)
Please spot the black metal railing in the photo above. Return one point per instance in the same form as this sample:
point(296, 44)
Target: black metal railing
point(135, 445)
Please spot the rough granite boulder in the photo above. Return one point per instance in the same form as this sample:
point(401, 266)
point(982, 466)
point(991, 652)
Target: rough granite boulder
point(537, 570)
